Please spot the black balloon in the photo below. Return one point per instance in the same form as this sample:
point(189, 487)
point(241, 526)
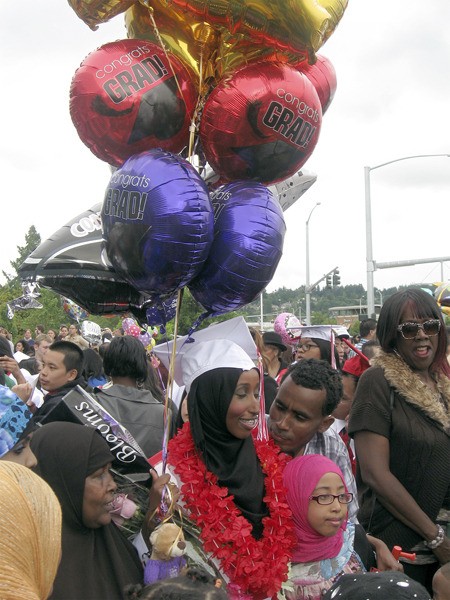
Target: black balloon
point(73, 263)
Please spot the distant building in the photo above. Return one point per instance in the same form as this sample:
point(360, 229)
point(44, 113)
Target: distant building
point(347, 315)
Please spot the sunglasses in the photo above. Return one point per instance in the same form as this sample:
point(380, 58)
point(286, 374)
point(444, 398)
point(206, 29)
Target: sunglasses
point(330, 498)
point(410, 330)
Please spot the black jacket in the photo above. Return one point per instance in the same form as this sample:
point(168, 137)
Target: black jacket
point(53, 398)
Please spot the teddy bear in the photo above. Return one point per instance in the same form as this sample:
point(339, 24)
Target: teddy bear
point(166, 559)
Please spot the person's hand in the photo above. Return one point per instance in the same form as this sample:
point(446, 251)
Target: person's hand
point(156, 491)
point(10, 365)
point(23, 391)
point(442, 552)
point(385, 559)
point(152, 519)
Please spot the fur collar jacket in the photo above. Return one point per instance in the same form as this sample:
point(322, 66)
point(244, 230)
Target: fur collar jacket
point(406, 383)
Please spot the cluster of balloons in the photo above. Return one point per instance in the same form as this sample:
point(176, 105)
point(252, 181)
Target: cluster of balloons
point(244, 75)
point(237, 83)
point(146, 335)
point(162, 231)
point(261, 122)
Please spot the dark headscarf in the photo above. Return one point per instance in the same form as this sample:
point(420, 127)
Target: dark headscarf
point(232, 460)
point(96, 564)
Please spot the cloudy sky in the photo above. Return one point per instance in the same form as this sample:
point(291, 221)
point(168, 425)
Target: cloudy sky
point(392, 60)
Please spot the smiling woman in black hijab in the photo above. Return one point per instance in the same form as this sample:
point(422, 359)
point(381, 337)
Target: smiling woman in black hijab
point(231, 484)
point(233, 460)
point(97, 560)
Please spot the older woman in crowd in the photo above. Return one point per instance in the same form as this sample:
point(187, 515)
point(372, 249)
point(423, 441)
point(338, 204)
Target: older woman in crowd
point(400, 421)
point(97, 560)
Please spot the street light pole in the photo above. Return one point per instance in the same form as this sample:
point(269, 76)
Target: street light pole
point(308, 282)
point(370, 263)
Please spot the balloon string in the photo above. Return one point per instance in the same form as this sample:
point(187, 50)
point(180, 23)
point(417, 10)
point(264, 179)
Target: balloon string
point(164, 49)
point(170, 381)
point(263, 432)
point(198, 107)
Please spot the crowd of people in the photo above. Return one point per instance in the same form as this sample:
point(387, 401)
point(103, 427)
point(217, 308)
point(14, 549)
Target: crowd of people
point(302, 467)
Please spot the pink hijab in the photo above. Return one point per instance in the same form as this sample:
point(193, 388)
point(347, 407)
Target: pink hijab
point(300, 478)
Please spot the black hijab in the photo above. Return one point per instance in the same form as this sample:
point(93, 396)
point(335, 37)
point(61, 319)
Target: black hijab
point(96, 564)
point(232, 460)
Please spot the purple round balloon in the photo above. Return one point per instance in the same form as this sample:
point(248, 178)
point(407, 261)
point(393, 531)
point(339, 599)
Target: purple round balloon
point(248, 243)
point(157, 222)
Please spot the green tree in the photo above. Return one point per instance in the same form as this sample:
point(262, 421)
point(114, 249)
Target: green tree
point(32, 241)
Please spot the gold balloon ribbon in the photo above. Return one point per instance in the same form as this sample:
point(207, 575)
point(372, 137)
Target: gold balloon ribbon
point(166, 509)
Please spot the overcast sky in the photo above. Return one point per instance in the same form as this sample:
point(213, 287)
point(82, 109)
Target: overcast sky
point(392, 59)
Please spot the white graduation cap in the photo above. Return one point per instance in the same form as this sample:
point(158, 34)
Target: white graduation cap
point(341, 331)
point(321, 332)
point(226, 344)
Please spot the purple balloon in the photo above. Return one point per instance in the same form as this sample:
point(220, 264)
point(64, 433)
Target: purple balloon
point(157, 222)
point(248, 243)
point(127, 323)
point(145, 338)
point(162, 312)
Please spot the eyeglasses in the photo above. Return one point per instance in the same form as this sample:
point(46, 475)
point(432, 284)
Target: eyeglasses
point(410, 330)
point(305, 347)
point(324, 499)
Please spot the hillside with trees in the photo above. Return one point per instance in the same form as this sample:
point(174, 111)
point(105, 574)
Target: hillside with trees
point(281, 300)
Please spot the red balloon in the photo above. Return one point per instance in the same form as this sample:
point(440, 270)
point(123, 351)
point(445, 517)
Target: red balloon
point(127, 97)
point(323, 77)
point(262, 123)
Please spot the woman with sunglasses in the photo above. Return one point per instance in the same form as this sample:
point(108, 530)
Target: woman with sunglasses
point(401, 425)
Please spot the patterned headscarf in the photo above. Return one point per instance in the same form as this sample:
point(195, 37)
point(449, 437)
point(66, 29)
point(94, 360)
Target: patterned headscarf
point(14, 417)
point(30, 534)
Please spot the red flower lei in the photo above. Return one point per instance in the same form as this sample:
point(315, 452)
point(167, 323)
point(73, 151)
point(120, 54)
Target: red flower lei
point(254, 567)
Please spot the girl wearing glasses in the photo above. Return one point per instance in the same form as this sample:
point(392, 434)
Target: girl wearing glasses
point(326, 540)
point(316, 343)
point(401, 425)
